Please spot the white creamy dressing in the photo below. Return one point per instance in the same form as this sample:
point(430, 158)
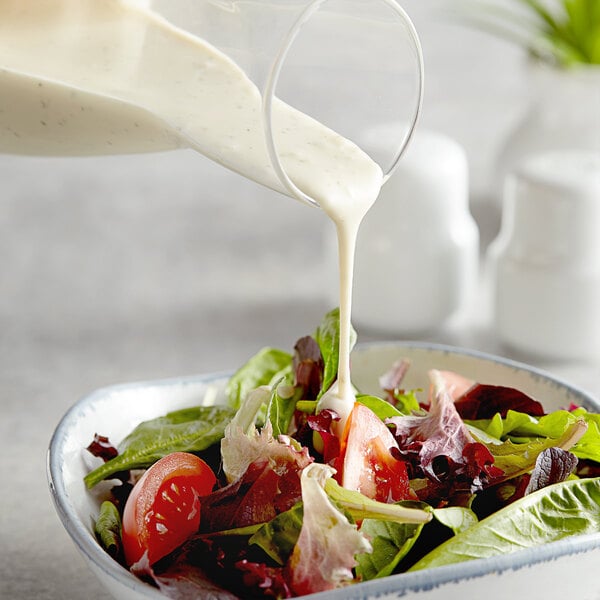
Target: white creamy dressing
point(83, 77)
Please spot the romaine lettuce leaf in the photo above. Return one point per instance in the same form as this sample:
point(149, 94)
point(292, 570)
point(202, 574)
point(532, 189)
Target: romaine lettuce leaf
point(456, 518)
point(548, 515)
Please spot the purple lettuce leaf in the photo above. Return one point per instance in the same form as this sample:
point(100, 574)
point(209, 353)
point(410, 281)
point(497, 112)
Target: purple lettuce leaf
point(264, 491)
point(308, 366)
point(483, 401)
point(553, 465)
point(439, 446)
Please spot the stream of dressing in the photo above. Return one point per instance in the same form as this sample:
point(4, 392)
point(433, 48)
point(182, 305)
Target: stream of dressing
point(83, 77)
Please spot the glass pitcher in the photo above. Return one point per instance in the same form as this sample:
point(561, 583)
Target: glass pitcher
point(83, 77)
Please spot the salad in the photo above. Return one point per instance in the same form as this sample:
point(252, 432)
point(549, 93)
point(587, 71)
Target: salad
point(269, 497)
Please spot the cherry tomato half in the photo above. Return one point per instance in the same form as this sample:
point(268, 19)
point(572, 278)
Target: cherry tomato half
point(365, 463)
point(163, 509)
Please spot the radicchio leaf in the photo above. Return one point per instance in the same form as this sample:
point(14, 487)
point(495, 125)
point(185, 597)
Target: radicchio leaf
point(102, 448)
point(484, 401)
point(322, 423)
point(262, 580)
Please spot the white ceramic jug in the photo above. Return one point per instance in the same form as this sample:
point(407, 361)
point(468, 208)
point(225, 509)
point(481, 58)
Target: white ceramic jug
point(545, 263)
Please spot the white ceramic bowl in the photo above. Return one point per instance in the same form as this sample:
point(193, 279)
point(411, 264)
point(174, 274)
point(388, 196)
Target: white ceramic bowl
point(545, 573)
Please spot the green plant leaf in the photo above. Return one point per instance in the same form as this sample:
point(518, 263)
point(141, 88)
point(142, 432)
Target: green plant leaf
point(553, 513)
point(187, 430)
point(563, 32)
point(390, 541)
point(265, 368)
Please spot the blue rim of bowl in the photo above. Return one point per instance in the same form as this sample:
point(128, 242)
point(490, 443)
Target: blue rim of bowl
point(400, 584)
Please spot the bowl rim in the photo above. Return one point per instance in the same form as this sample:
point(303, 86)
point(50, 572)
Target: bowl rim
point(401, 583)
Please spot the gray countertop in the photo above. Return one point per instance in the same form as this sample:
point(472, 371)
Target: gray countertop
point(134, 268)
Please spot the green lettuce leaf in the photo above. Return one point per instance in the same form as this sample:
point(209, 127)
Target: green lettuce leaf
point(282, 405)
point(555, 512)
point(266, 367)
point(380, 407)
point(517, 459)
point(588, 447)
point(361, 507)
point(108, 529)
point(278, 537)
point(391, 542)
point(187, 430)
point(328, 338)
point(456, 518)
point(407, 404)
point(523, 429)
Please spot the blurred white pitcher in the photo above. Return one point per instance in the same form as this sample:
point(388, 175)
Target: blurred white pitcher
point(546, 259)
point(418, 247)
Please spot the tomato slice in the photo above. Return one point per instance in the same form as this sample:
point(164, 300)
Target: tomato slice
point(163, 509)
point(366, 464)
